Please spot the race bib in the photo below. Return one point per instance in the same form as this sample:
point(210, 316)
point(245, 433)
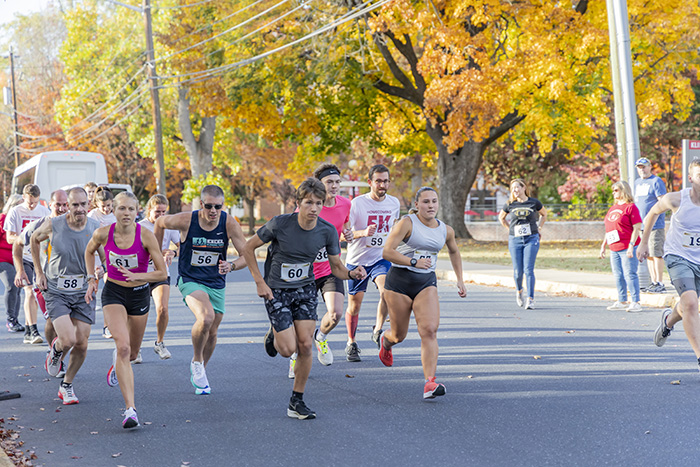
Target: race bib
point(127, 261)
point(522, 230)
point(642, 190)
point(204, 258)
point(294, 272)
point(377, 240)
point(691, 239)
point(612, 237)
point(420, 254)
point(321, 256)
point(70, 283)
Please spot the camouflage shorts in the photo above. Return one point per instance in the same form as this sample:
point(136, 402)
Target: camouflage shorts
point(291, 305)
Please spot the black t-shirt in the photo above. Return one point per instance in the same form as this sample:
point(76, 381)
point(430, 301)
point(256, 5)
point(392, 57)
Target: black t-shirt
point(524, 216)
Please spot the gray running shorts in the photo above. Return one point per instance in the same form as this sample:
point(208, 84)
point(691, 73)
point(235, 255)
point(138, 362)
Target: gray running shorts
point(656, 243)
point(58, 304)
point(685, 275)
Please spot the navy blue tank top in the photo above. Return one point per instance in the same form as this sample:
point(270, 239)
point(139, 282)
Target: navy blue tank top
point(201, 251)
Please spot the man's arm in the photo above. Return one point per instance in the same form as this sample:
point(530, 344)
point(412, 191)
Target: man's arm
point(39, 235)
point(670, 201)
point(179, 222)
point(249, 255)
point(235, 234)
point(21, 278)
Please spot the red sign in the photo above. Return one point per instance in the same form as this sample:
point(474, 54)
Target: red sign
point(694, 144)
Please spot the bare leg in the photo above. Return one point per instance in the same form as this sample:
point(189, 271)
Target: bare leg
point(79, 349)
point(117, 320)
point(210, 343)
point(334, 304)
point(399, 307)
point(198, 302)
point(161, 295)
point(426, 309)
point(352, 314)
point(382, 310)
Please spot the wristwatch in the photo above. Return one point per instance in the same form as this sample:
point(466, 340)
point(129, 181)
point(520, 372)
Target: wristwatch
point(413, 262)
point(91, 276)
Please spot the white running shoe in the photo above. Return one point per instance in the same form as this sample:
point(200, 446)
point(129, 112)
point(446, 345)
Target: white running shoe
point(325, 355)
point(138, 359)
point(112, 373)
point(519, 298)
point(663, 331)
point(131, 420)
point(53, 359)
point(163, 353)
point(530, 304)
point(618, 305)
point(199, 375)
point(292, 364)
point(65, 392)
point(634, 307)
point(203, 391)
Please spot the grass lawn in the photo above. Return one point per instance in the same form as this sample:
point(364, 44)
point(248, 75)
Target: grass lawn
point(567, 255)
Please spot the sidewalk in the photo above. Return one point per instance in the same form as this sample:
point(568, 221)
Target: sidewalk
point(585, 284)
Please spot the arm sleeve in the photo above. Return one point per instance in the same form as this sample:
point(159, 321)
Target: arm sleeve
point(635, 216)
point(506, 208)
point(538, 205)
point(660, 187)
point(332, 243)
point(11, 221)
point(266, 233)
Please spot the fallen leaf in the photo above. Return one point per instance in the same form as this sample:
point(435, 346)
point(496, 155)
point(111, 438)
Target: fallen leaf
point(117, 454)
point(54, 421)
point(349, 376)
point(49, 452)
point(187, 421)
point(470, 376)
point(250, 342)
point(648, 432)
point(147, 423)
point(76, 457)
point(676, 382)
point(42, 409)
point(570, 332)
point(537, 357)
point(94, 432)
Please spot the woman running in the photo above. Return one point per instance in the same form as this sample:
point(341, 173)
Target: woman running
point(160, 291)
point(523, 217)
point(125, 297)
point(412, 248)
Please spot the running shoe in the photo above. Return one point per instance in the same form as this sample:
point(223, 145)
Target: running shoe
point(131, 420)
point(198, 376)
point(27, 336)
point(618, 306)
point(292, 365)
point(53, 359)
point(62, 371)
point(386, 356)
point(530, 304)
point(376, 335)
point(325, 355)
point(36, 337)
point(663, 331)
point(657, 288)
point(352, 352)
point(432, 389)
point(163, 353)
point(65, 392)
point(270, 343)
point(112, 373)
point(203, 391)
point(634, 307)
point(519, 298)
point(297, 409)
point(138, 359)
point(105, 333)
point(14, 326)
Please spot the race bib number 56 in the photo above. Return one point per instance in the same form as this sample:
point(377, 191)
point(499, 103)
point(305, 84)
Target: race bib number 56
point(204, 258)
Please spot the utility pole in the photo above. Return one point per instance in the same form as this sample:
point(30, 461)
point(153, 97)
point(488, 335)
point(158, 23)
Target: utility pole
point(620, 134)
point(14, 106)
point(155, 100)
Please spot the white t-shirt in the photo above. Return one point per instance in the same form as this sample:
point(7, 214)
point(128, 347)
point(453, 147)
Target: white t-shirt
point(366, 251)
point(19, 217)
point(103, 219)
point(169, 236)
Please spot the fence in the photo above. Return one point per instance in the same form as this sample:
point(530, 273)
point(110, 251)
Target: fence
point(555, 212)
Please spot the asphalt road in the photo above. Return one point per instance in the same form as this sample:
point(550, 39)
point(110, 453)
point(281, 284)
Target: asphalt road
point(569, 383)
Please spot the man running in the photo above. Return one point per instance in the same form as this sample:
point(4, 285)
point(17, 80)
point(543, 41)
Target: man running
point(335, 210)
point(17, 219)
point(288, 287)
point(64, 284)
point(682, 256)
point(202, 269)
point(371, 216)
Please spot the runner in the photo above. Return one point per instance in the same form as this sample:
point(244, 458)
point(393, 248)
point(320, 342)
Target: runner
point(64, 283)
point(371, 215)
point(91, 188)
point(288, 286)
point(335, 210)
point(160, 291)
point(11, 297)
point(682, 256)
point(17, 219)
point(103, 200)
point(202, 269)
point(125, 300)
point(412, 247)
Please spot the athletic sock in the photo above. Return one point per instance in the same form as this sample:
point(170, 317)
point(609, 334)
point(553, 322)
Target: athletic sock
point(351, 323)
point(32, 327)
point(298, 395)
point(320, 336)
point(294, 356)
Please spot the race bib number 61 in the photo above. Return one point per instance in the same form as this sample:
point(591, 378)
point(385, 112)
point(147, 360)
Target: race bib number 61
point(126, 261)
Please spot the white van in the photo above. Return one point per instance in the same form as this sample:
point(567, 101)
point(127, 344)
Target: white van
point(53, 170)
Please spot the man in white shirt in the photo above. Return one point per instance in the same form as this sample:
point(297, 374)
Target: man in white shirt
point(17, 219)
point(371, 217)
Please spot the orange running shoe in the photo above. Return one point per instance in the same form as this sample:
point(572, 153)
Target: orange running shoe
point(432, 389)
point(385, 355)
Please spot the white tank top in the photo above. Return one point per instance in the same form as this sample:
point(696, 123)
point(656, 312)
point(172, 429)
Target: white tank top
point(683, 237)
point(424, 242)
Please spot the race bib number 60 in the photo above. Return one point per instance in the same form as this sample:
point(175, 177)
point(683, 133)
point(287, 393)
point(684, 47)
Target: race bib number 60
point(294, 272)
point(204, 258)
point(126, 261)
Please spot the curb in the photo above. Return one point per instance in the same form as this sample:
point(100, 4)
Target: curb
point(5, 459)
point(602, 293)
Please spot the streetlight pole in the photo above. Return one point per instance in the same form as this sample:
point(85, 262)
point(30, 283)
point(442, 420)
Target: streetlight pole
point(155, 100)
point(14, 106)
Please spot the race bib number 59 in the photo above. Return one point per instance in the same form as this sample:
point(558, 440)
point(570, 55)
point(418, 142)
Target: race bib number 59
point(377, 240)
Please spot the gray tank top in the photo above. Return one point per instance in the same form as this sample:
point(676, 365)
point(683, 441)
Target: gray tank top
point(65, 271)
point(424, 242)
point(683, 236)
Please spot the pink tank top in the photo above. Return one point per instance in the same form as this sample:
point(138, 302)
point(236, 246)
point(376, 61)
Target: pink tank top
point(135, 258)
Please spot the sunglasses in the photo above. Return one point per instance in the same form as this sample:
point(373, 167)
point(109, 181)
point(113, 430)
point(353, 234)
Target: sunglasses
point(215, 206)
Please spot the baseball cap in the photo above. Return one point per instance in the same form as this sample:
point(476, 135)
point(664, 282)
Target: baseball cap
point(642, 161)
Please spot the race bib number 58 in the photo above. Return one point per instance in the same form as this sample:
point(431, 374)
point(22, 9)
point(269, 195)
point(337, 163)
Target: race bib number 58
point(70, 283)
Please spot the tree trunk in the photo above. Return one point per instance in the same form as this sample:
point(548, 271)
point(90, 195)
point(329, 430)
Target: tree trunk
point(200, 150)
point(416, 174)
point(456, 174)
point(250, 204)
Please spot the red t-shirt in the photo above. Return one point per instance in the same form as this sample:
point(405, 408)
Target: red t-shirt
point(5, 248)
point(619, 224)
point(338, 216)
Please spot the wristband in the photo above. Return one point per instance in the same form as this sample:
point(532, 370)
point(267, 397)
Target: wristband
point(233, 266)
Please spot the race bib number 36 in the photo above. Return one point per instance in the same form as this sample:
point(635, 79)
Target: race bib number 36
point(321, 256)
point(294, 272)
point(522, 230)
point(70, 283)
point(691, 239)
point(126, 261)
point(204, 258)
point(377, 240)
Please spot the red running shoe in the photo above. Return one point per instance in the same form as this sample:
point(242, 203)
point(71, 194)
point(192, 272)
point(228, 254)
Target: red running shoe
point(385, 355)
point(432, 389)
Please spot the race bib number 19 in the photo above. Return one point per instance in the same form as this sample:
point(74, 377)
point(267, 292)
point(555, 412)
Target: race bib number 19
point(126, 261)
point(204, 258)
point(294, 272)
point(691, 239)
